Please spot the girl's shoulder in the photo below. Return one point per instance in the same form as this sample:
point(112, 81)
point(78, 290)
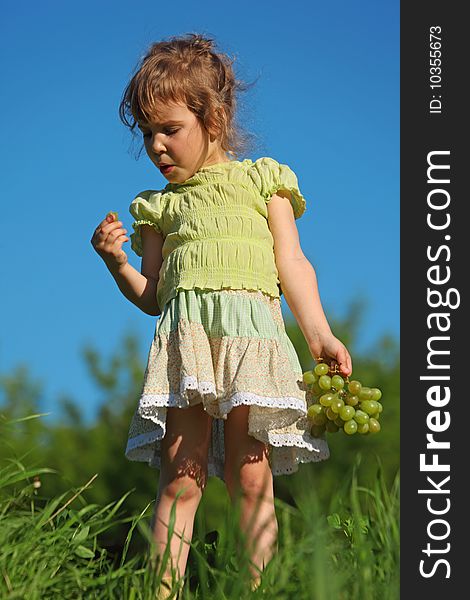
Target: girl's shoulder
point(146, 203)
point(271, 176)
point(267, 171)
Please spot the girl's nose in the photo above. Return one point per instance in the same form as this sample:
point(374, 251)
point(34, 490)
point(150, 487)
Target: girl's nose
point(157, 144)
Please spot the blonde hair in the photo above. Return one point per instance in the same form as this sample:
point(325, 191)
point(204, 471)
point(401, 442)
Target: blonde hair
point(188, 70)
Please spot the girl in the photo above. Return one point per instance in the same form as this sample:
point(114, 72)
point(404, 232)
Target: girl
point(223, 392)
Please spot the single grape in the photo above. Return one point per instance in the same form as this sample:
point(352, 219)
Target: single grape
point(365, 393)
point(374, 425)
point(339, 421)
point(350, 427)
point(326, 399)
point(331, 427)
point(309, 377)
point(113, 214)
point(369, 406)
point(321, 369)
point(314, 409)
point(324, 382)
point(380, 409)
point(352, 400)
point(317, 430)
point(337, 382)
point(330, 414)
point(376, 394)
point(354, 387)
point(363, 428)
point(337, 405)
point(346, 412)
point(361, 416)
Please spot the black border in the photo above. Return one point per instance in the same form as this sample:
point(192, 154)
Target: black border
point(421, 133)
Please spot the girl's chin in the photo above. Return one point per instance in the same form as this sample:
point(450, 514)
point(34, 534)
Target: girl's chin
point(178, 177)
point(172, 177)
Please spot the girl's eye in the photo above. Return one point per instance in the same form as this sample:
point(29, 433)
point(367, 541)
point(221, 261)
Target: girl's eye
point(147, 134)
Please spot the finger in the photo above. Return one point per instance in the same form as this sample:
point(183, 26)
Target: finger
point(109, 225)
point(111, 217)
point(99, 228)
point(112, 228)
point(116, 234)
point(122, 238)
point(118, 242)
point(344, 361)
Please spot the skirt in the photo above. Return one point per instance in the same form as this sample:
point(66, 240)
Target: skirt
point(226, 348)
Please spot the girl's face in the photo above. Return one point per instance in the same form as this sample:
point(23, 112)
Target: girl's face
point(178, 144)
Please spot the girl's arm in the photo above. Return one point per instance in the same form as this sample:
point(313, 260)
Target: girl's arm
point(139, 288)
point(299, 285)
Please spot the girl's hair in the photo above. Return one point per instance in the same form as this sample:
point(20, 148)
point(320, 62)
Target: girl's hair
point(188, 70)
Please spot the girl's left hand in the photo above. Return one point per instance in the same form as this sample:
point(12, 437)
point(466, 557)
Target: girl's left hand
point(332, 351)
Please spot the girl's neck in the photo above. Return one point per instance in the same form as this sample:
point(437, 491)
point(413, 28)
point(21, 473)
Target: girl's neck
point(215, 154)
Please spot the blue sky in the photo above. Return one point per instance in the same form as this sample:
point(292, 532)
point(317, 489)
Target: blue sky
point(326, 103)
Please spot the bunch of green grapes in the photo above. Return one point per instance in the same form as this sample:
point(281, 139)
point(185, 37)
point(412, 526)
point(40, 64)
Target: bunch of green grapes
point(341, 404)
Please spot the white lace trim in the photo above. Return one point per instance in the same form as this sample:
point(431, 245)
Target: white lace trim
point(144, 439)
point(249, 398)
point(190, 389)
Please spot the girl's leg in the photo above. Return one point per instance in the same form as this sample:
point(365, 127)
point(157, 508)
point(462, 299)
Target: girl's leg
point(249, 478)
point(184, 453)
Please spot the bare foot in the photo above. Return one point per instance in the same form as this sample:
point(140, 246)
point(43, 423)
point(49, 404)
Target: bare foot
point(164, 590)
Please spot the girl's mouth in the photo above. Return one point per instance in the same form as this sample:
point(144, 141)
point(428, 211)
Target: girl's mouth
point(165, 169)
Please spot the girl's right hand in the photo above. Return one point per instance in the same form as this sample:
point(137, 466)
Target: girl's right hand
point(331, 350)
point(108, 239)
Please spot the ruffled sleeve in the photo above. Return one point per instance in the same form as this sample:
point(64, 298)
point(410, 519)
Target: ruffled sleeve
point(146, 210)
point(270, 177)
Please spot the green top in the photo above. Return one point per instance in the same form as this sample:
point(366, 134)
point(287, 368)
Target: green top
point(215, 227)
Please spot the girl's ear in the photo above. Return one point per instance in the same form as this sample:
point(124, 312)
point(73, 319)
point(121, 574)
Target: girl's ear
point(214, 124)
point(213, 131)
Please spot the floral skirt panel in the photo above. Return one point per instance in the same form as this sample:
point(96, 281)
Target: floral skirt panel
point(226, 348)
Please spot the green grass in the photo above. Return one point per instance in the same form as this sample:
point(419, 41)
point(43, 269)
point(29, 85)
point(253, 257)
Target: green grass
point(56, 548)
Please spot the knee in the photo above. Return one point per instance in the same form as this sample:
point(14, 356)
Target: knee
point(252, 482)
point(256, 485)
point(186, 489)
